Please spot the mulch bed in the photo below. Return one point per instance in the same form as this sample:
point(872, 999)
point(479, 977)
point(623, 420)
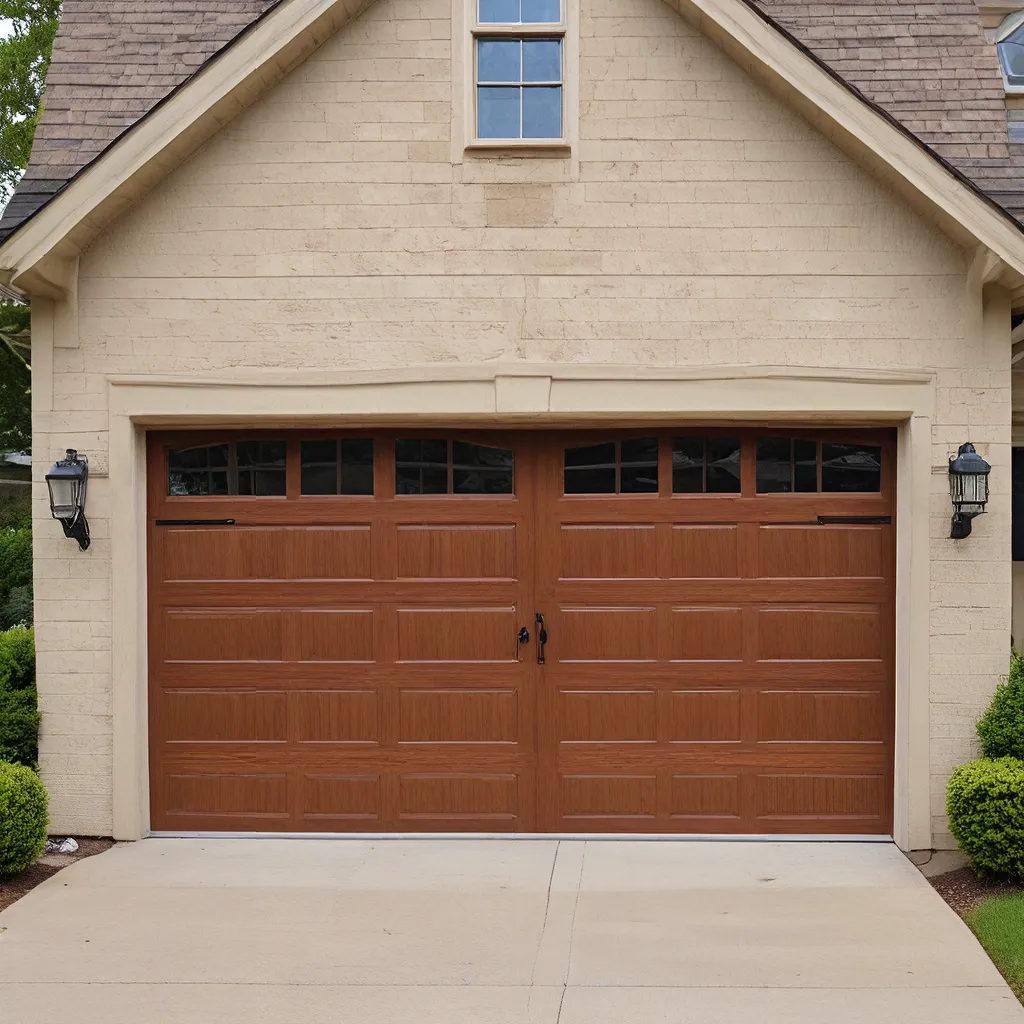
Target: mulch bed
point(963, 890)
point(49, 864)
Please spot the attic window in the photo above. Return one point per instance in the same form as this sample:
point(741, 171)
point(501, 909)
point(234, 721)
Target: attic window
point(1010, 45)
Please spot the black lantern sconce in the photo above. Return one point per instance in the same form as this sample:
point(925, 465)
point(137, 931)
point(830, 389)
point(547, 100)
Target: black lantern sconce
point(968, 487)
point(67, 482)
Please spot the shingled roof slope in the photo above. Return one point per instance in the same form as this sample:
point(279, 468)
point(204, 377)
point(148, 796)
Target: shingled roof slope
point(113, 61)
point(925, 62)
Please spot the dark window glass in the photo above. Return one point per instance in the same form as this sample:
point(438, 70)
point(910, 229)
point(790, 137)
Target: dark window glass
point(851, 467)
point(480, 469)
point(198, 471)
point(774, 465)
point(590, 481)
point(421, 466)
point(688, 465)
point(592, 455)
point(357, 465)
point(723, 465)
point(261, 467)
point(629, 466)
point(805, 465)
point(319, 467)
point(639, 479)
point(332, 466)
point(705, 464)
point(426, 465)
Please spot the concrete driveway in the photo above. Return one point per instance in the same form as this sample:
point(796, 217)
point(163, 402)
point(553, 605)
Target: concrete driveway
point(492, 932)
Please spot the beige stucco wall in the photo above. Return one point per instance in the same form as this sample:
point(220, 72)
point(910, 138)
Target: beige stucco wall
point(335, 226)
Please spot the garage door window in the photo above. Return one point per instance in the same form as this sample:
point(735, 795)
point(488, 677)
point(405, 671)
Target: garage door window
point(254, 468)
point(444, 466)
point(337, 465)
point(629, 466)
point(796, 464)
point(705, 465)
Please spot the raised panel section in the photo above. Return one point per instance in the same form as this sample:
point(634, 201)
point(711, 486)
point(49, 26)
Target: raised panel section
point(204, 553)
point(704, 716)
point(796, 552)
point(250, 636)
point(609, 796)
point(609, 716)
point(237, 796)
point(341, 797)
point(330, 552)
point(609, 552)
point(225, 716)
point(336, 634)
point(336, 716)
point(821, 796)
point(847, 633)
point(605, 634)
point(458, 795)
point(223, 553)
point(706, 634)
point(462, 715)
point(802, 716)
point(457, 552)
point(705, 796)
point(704, 552)
point(457, 634)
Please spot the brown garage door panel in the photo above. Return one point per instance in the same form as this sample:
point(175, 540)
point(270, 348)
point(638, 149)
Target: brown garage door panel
point(332, 660)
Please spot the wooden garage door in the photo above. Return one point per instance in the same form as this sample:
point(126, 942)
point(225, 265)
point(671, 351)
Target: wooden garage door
point(335, 622)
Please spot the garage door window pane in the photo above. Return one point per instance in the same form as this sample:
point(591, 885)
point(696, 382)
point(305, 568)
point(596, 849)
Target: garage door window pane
point(705, 465)
point(337, 466)
point(805, 465)
point(421, 465)
point(480, 469)
point(198, 471)
point(261, 467)
point(629, 466)
point(851, 467)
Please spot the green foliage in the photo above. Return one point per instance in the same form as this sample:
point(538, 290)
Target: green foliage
point(985, 804)
point(15, 375)
point(999, 925)
point(19, 717)
point(1001, 728)
point(24, 58)
point(15, 576)
point(23, 818)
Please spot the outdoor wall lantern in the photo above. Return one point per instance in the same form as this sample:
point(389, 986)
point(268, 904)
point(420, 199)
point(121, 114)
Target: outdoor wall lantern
point(67, 481)
point(968, 487)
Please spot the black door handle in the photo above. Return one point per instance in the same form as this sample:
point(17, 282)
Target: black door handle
point(542, 638)
point(522, 637)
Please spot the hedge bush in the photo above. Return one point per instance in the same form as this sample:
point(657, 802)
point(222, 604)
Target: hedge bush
point(23, 818)
point(985, 804)
point(16, 575)
point(19, 717)
point(1001, 728)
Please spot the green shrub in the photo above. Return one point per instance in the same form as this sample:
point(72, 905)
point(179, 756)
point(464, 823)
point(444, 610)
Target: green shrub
point(19, 719)
point(1001, 728)
point(15, 576)
point(985, 804)
point(23, 818)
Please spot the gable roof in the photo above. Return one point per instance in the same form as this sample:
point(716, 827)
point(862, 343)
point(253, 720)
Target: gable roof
point(113, 61)
point(920, 138)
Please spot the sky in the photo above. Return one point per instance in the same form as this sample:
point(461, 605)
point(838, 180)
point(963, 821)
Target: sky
point(5, 27)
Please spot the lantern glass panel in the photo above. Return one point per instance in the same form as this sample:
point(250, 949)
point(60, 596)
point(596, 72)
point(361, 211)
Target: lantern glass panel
point(63, 491)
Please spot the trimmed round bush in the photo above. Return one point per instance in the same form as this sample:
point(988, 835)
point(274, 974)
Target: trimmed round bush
point(985, 804)
point(1001, 728)
point(23, 818)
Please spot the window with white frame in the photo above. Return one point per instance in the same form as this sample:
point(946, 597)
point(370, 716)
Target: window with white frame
point(518, 54)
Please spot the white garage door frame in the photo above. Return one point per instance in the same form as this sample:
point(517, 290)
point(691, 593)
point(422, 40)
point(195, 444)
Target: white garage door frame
point(526, 395)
